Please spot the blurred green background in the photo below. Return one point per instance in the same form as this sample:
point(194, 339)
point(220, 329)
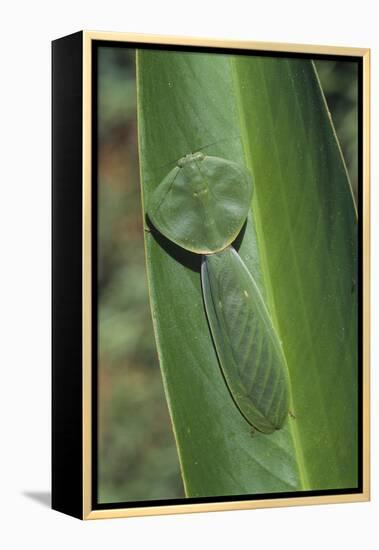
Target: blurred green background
point(137, 458)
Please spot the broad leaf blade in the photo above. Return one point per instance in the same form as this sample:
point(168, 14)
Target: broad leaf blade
point(187, 101)
point(269, 115)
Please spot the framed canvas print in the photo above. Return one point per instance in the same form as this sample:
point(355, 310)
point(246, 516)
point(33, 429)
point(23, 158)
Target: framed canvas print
point(210, 275)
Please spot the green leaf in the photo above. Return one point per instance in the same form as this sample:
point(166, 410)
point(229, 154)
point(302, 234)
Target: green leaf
point(299, 244)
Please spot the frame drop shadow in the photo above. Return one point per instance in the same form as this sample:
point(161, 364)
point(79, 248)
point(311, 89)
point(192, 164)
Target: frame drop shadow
point(42, 497)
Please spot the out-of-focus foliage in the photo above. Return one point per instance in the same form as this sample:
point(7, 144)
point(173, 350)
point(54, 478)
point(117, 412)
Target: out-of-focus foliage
point(339, 80)
point(137, 456)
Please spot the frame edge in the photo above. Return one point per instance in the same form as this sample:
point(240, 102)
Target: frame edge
point(66, 275)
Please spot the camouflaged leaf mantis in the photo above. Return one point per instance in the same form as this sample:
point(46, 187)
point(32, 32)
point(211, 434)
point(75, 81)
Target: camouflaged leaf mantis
point(201, 205)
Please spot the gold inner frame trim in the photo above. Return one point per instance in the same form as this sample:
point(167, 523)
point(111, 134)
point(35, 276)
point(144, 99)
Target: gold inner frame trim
point(88, 38)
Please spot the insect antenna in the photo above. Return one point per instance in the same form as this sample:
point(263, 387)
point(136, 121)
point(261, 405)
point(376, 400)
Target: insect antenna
point(217, 141)
point(174, 161)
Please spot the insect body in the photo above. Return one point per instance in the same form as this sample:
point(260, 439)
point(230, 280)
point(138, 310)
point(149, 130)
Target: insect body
point(201, 205)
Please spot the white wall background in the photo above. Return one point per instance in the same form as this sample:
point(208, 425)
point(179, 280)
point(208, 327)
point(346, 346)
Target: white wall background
point(27, 29)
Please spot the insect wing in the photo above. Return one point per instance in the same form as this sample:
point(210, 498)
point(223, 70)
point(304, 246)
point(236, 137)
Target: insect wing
point(247, 345)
